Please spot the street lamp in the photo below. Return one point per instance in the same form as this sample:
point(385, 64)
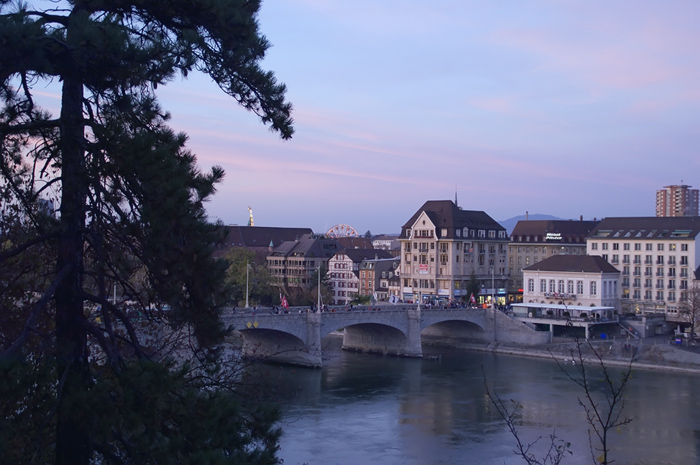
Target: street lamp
point(493, 287)
point(247, 268)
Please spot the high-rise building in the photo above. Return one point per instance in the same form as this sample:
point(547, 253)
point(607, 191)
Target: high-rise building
point(677, 201)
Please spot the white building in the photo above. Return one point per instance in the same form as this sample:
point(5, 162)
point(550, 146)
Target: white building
point(566, 291)
point(573, 280)
point(657, 258)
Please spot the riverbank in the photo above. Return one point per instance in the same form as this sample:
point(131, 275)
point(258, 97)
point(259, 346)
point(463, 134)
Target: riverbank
point(646, 354)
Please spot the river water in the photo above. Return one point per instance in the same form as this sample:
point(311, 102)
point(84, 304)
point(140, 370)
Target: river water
point(368, 409)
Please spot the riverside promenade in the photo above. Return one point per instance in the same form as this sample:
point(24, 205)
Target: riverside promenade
point(646, 354)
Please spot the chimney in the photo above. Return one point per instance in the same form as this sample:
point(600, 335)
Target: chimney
point(580, 218)
point(526, 216)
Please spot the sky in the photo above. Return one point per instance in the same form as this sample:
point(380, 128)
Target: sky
point(568, 108)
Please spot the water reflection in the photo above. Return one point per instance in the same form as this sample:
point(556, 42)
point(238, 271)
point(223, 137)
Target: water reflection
point(385, 410)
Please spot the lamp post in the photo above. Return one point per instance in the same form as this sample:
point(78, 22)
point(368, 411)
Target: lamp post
point(493, 287)
point(318, 305)
point(247, 268)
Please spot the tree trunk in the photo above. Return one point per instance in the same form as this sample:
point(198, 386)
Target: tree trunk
point(72, 432)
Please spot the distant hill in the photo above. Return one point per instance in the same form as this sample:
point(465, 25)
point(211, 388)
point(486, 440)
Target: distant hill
point(510, 223)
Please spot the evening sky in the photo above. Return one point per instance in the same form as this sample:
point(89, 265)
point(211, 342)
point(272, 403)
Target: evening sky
point(569, 107)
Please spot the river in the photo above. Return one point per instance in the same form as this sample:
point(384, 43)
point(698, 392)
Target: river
point(368, 409)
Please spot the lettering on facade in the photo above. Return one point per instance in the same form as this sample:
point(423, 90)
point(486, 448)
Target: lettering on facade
point(553, 237)
point(559, 295)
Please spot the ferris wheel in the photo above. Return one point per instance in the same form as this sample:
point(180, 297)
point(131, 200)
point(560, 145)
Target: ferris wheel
point(342, 230)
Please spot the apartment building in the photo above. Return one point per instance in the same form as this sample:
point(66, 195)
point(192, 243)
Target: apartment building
point(536, 240)
point(657, 257)
point(442, 245)
point(374, 277)
point(677, 200)
point(292, 263)
point(344, 272)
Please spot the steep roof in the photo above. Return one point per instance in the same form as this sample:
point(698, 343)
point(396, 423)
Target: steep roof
point(351, 242)
point(358, 255)
point(566, 231)
point(446, 214)
point(648, 227)
point(308, 245)
point(261, 236)
point(574, 263)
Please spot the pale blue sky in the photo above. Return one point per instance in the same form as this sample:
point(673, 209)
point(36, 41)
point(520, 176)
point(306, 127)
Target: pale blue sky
point(561, 107)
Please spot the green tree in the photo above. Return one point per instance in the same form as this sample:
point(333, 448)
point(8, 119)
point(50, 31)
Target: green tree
point(130, 216)
point(473, 287)
point(257, 280)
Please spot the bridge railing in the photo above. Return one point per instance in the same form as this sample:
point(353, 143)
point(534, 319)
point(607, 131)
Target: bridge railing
point(339, 309)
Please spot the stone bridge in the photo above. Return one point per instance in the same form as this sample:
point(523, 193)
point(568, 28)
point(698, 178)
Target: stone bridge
point(295, 337)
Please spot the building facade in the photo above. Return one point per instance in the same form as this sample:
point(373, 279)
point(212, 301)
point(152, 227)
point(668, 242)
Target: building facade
point(292, 263)
point(374, 277)
point(442, 246)
point(536, 240)
point(344, 272)
point(573, 280)
point(677, 200)
point(657, 258)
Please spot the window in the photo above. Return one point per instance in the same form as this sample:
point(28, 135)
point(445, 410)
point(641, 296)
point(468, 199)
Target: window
point(605, 246)
point(671, 283)
point(684, 260)
point(615, 259)
point(531, 285)
point(579, 287)
point(684, 247)
point(492, 234)
point(616, 246)
point(543, 285)
point(659, 247)
point(672, 247)
point(482, 233)
point(560, 288)
point(569, 287)
point(594, 246)
point(649, 247)
point(672, 260)
point(626, 246)
point(552, 285)
point(637, 246)
point(594, 288)
point(659, 259)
